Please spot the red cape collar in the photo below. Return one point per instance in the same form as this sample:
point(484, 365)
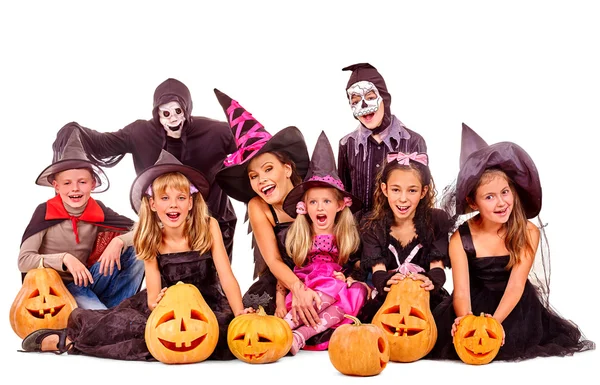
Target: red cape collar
point(55, 209)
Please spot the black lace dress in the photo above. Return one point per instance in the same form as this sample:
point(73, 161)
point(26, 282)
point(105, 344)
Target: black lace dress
point(118, 332)
point(432, 245)
point(532, 329)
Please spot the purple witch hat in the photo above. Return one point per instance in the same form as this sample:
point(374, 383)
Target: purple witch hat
point(252, 140)
point(321, 173)
point(476, 156)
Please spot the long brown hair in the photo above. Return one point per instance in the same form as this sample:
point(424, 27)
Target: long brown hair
point(517, 239)
point(381, 207)
point(284, 158)
point(147, 236)
point(299, 238)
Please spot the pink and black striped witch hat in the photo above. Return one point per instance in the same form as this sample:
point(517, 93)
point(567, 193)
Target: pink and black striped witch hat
point(252, 140)
point(322, 172)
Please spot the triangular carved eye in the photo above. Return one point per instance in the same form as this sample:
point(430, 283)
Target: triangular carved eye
point(166, 317)
point(195, 314)
point(240, 337)
point(52, 291)
point(262, 338)
point(35, 293)
point(491, 334)
point(416, 313)
point(392, 310)
point(470, 333)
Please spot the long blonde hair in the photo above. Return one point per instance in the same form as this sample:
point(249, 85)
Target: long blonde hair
point(517, 239)
point(299, 238)
point(147, 236)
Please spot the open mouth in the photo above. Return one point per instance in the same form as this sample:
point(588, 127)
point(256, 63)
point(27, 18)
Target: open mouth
point(501, 212)
point(268, 190)
point(42, 313)
point(254, 356)
point(401, 331)
point(75, 197)
point(321, 219)
point(402, 209)
point(476, 355)
point(184, 346)
point(175, 128)
point(173, 216)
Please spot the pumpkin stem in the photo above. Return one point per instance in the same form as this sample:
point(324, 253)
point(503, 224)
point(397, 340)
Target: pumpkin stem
point(482, 314)
point(354, 319)
point(261, 311)
point(41, 265)
point(179, 283)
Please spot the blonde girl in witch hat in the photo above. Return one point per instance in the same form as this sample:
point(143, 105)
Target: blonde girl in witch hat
point(493, 252)
point(320, 241)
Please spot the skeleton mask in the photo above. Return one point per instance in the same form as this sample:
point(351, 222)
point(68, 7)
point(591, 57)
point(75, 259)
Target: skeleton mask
point(369, 98)
point(172, 118)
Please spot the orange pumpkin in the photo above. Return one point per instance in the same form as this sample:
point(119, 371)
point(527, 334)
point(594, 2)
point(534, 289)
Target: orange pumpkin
point(182, 328)
point(359, 349)
point(407, 321)
point(259, 338)
point(477, 340)
point(44, 302)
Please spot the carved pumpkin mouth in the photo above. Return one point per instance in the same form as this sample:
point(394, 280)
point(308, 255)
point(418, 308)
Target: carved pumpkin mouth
point(476, 355)
point(42, 313)
point(401, 331)
point(254, 356)
point(184, 347)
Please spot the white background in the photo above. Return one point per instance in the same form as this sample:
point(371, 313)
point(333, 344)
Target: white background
point(520, 71)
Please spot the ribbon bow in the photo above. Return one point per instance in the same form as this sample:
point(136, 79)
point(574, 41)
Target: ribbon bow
point(407, 267)
point(403, 158)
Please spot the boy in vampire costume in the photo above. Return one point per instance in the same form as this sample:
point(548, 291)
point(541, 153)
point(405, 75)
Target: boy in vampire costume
point(198, 142)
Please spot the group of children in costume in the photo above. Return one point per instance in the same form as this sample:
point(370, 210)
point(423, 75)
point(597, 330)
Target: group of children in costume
point(328, 240)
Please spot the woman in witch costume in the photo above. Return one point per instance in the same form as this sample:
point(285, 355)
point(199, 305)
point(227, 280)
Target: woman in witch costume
point(261, 173)
point(493, 252)
point(178, 241)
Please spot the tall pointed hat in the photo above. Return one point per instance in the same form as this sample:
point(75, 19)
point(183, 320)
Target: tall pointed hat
point(165, 163)
point(322, 172)
point(476, 156)
point(252, 140)
point(71, 157)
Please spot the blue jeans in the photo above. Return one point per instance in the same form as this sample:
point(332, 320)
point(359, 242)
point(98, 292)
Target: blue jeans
point(109, 291)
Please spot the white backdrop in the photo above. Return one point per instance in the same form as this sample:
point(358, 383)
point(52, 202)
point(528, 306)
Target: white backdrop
point(520, 71)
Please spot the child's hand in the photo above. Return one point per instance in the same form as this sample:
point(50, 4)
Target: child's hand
point(503, 334)
point(248, 310)
point(393, 280)
point(111, 256)
point(280, 311)
point(339, 275)
point(350, 281)
point(456, 322)
point(81, 275)
point(159, 297)
point(427, 284)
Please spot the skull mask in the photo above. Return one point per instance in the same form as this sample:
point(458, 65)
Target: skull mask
point(172, 118)
point(369, 98)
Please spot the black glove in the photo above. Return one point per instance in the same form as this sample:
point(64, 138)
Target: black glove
point(380, 279)
point(437, 275)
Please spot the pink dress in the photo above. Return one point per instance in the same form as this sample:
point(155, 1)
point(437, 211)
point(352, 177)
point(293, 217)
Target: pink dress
point(317, 275)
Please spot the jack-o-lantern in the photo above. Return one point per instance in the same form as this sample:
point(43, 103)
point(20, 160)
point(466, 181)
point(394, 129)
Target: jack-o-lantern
point(407, 321)
point(182, 328)
point(259, 338)
point(359, 349)
point(477, 340)
point(44, 302)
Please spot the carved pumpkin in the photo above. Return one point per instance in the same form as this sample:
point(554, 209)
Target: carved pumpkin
point(477, 340)
point(359, 349)
point(44, 302)
point(259, 338)
point(182, 328)
point(407, 321)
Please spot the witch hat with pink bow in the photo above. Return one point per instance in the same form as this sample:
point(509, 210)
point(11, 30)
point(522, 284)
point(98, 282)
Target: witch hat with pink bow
point(476, 156)
point(322, 172)
point(252, 140)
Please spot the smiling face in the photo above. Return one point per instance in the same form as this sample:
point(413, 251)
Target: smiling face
point(270, 178)
point(74, 186)
point(322, 205)
point(366, 103)
point(493, 198)
point(404, 191)
point(171, 206)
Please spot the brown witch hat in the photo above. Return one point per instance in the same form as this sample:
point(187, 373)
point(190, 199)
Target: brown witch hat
point(476, 156)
